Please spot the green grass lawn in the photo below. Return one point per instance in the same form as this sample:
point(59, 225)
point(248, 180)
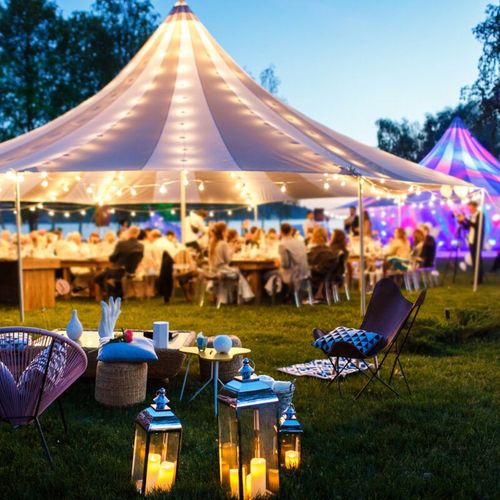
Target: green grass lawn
point(442, 442)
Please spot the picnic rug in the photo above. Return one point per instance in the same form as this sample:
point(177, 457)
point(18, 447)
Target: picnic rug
point(323, 368)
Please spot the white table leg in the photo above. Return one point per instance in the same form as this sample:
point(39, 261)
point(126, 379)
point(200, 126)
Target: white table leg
point(185, 377)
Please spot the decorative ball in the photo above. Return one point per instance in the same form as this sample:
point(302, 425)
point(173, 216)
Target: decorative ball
point(223, 344)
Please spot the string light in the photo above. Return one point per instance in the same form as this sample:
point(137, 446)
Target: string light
point(51, 213)
point(45, 183)
point(163, 189)
point(152, 213)
point(32, 209)
point(326, 186)
point(83, 212)
point(283, 188)
point(89, 190)
point(112, 211)
point(172, 211)
point(211, 213)
point(133, 214)
point(201, 187)
point(133, 191)
point(229, 212)
point(40, 206)
point(67, 215)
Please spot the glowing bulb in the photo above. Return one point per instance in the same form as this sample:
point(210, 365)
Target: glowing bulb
point(44, 175)
point(40, 206)
point(343, 183)
point(112, 211)
point(172, 211)
point(201, 187)
point(229, 212)
point(132, 214)
point(78, 178)
point(233, 175)
point(151, 213)
point(83, 212)
point(163, 189)
point(89, 190)
point(45, 183)
point(283, 188)
point(133, 191)
point(326, 186)
point(32, 209)
point(65, 188)
point(211, 214)
point(51, 213)
point(66, 214)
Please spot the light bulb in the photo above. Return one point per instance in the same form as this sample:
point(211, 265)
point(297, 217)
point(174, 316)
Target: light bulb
point(172, 211)
point(45, 183)
point(229, 212)
point(326, 186)
point(112, 211)
point(51, 213)
point(66, 214)
point(32, 209)
point(201, 187)
point(44, 175)
point(133, 191)
point(151, 213)
point(343, 183)
point(132, 214)
point(83, 212)
point(40, 206)
point(89, 190)
point(211, 214)
point(283, 188)
point(163, 189)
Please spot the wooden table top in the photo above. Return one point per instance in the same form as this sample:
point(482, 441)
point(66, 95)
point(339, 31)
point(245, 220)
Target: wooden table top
point(254, 264)
point(92, 262)
point(210, 354)
point(31, 263)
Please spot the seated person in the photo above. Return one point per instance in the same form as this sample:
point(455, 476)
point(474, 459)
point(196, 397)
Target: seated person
point(125, 258)
point(321, 260)
point(398, 251)
point(293, 257)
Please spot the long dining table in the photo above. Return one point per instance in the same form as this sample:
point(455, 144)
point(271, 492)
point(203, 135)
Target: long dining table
point(254, 269)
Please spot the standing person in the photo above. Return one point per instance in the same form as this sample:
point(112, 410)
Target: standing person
point(471, 224)
point(428, 253)
point(197, 230)
point(351, 224)
point(308, 226)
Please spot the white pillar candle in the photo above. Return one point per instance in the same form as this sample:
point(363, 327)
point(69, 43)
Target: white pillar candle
point(258, 473)
point(166, 476)
point(274, 480)
point(152, 473)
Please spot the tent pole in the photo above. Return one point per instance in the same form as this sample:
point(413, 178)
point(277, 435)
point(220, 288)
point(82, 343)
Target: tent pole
point(256, 215)
point(183, 206)
point(361, 245)
point(19, 252)
point(480, 241)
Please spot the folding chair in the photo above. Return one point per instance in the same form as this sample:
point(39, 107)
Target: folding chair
point(391, 316)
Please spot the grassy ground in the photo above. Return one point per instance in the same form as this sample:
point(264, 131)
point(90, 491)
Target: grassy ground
point(442, 442)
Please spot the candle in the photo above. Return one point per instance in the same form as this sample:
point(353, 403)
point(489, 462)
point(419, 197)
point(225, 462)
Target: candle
point(248, 483)
point(274, 480)
point(152, 472)
point(234, 481)
point(292, 459)
point(258, 473)
point(166, 476)
point(228, 460)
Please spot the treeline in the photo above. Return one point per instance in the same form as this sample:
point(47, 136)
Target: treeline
point(50, 63)
point(479, 107)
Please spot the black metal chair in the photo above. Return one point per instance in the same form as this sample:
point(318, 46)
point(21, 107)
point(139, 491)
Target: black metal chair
point(390, 315)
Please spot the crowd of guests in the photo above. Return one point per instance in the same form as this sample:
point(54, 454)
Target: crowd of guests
point(212, 248)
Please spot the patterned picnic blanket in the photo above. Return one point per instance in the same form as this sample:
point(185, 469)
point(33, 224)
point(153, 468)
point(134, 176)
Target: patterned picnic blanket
point(322, 368)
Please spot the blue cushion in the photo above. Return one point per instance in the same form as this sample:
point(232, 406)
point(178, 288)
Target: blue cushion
point(364, 341)
point(138, 351)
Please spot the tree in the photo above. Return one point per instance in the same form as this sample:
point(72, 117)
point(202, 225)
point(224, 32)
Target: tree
point(486, 89)
point(129, 24)
point(30, 64)
point(269, 80)
point(400, 138)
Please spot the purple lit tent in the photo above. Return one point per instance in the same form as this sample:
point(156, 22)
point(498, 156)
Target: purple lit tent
point(460, 154)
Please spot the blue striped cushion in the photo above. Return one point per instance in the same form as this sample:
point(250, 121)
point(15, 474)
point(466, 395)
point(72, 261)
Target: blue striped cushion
point(364, 341)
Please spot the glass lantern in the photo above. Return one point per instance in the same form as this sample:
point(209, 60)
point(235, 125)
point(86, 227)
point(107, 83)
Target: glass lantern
point(290, 437)
point(248, 436)
point(156, 447)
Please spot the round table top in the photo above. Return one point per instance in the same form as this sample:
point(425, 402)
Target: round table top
point(210, 354)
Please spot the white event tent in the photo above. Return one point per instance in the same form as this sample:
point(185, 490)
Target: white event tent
point(182, 122)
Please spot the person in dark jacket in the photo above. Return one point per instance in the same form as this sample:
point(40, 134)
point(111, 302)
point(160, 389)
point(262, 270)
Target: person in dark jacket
point(321, 260)
point(474, 239)
point(125, 259)
point(428, 253)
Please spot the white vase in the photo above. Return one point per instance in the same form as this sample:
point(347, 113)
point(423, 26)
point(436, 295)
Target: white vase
point(74, 328)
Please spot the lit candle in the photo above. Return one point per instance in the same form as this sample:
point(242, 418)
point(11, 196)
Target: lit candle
point(248, 483)
point(258, 473)
point(292, 459)
point(166, 476)
point(274, 480)
point(153, 469)
point(228, 460)
point(234, 481)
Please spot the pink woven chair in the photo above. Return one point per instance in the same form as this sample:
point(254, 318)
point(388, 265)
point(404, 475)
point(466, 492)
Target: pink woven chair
point(36, 367)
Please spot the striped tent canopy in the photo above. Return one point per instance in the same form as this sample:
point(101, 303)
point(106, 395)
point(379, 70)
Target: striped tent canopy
point(183, 105)
point(460, 154)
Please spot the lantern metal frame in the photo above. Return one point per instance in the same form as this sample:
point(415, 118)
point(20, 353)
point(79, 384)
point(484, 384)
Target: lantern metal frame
point(155, 420)
point(290, 427)
point(245, 392)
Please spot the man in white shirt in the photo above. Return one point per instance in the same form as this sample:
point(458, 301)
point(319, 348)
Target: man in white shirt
point(197, 230)
point(471, 224)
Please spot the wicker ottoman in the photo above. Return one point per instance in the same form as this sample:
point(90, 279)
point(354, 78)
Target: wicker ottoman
point(120, 384)
point(228, 370)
